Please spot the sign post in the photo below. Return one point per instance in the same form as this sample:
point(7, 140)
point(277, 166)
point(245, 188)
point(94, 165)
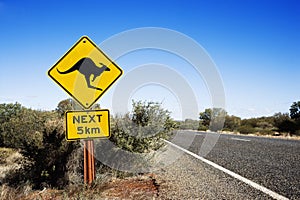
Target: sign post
point(89, 162)
point(86, 73)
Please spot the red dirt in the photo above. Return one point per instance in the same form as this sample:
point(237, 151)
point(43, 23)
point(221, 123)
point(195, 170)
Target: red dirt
point(132, 187)
point(143, 187)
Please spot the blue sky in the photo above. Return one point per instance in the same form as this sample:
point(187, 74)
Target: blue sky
point(255, 45)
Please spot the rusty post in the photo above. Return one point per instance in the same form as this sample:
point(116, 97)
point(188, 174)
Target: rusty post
point(85, 175)
point(89, 162)
point(93, 160)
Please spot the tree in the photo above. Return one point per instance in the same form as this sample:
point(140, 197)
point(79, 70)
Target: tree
point(284, 123)
point(9, 110)
point(64, 106)
point(295, 110)
point(212, 119)
point(205, 118)
point(295, 116)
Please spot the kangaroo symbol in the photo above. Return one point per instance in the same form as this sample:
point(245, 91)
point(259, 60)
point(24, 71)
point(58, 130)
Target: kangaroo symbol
point(87, 67)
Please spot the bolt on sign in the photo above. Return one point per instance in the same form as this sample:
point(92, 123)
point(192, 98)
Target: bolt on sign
point(87, 124)
point(85, 72)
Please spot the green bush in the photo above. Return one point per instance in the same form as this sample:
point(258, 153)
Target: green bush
point(47, 153)
point(246, 129)
point(232, 123)
point(284, 123)
point(7, 111)
point(26, 125)
point(266, 131)
point(201, 127)
point(40, 137)
point(142, 130)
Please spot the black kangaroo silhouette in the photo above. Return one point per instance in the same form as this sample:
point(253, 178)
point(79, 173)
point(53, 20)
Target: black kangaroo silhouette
point(87, 67)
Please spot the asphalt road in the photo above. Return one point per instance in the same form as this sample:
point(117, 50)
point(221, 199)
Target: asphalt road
point(272, 163)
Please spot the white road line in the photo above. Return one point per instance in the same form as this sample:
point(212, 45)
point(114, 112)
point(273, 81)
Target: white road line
point(240, 139)
point(237, 176)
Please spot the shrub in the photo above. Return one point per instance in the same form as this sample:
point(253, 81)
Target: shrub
point(41, 139)
point(26, 125)
point(189, 124)
point(231, 123)
point(47, 153)
point(266, 132)
point(246, 129)
point(201, 127)
point(142, 130)
point(7, 111)
point(284, 123)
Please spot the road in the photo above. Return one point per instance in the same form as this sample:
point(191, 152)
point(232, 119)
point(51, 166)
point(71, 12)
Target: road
point(269, 162)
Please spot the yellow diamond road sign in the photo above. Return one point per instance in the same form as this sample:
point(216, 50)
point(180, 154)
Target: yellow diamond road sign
point(87, 124)
point(85, 72)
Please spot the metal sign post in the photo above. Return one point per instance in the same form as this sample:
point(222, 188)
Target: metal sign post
point(89, 162)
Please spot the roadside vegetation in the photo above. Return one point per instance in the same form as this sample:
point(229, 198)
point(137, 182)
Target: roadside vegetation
point(285, 124)
point(34, 154)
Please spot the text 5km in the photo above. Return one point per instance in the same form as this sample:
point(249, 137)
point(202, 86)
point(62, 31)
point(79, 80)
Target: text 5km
point(87, 130)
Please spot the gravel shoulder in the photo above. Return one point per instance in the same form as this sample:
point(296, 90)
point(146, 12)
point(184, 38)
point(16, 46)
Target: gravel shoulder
point(189, 178)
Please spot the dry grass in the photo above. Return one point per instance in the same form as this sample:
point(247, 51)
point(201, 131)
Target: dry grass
point(106, 185)
point(9, 193)
point(10, 160)
point(142, 187)
point(7, 155)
